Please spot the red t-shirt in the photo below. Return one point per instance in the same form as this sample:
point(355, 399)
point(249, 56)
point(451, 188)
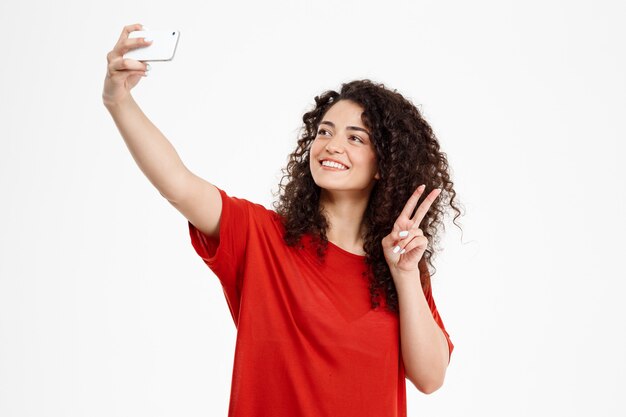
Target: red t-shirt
point(308, 343)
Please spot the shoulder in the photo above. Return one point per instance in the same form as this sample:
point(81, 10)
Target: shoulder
point(261, 214)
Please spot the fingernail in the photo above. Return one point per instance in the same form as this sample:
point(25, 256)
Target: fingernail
point(147, 39)
point(402, 251)
point(404, 233)
point(396, 249)
point(421, 187)
point(147, 67)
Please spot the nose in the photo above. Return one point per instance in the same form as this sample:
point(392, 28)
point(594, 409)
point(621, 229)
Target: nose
point(334, 145)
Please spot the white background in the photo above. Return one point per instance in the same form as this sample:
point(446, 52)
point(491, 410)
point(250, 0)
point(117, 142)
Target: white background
point(106, 310)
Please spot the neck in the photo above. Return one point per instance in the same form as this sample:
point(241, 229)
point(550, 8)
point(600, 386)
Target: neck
point(344, 212)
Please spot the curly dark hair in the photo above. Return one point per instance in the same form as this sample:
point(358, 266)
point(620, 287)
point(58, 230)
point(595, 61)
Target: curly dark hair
point(408, 155)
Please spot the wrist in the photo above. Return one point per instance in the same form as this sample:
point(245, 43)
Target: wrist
point(115, 104)
point(405, 278)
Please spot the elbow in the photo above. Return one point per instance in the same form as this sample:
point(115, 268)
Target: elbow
point(171, 199)
point(165, 196)
point(427, 387)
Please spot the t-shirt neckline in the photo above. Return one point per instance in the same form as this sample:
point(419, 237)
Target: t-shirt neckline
point(338, 249)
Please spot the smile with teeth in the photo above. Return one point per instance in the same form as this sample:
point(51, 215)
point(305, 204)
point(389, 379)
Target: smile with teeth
point(334, 165)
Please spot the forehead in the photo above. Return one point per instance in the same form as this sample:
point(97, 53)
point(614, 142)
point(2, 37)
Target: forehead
point(345, 111)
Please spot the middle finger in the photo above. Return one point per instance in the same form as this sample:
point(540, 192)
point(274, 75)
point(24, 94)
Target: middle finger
point(122, 64)
point(412, 202)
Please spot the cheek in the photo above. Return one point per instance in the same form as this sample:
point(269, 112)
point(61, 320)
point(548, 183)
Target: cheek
point(367, 159)
point(313, 152)
point(373, 165)
point(315, 146)
point(315, 149)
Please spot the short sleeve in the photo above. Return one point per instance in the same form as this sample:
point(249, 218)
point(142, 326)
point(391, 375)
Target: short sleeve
point(437, 317)
point(225, 256)
point(433, 308)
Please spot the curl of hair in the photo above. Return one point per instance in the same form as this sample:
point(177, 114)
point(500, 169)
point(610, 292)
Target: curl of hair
point(408, 155)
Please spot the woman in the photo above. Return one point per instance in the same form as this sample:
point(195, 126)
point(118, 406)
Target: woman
point(330, 292)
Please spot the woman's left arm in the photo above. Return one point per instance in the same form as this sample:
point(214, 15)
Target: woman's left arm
point(423, 344)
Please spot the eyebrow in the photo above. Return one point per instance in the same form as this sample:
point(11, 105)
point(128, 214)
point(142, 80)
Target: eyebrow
point(331, 124)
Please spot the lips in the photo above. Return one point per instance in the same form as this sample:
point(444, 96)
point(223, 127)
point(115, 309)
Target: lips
point(333, 160)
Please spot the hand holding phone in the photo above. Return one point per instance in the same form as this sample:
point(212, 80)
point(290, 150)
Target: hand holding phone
point(123, 74)
point(162, 47)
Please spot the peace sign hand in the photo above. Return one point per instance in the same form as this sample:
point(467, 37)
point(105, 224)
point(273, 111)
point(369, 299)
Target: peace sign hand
point(404, 246)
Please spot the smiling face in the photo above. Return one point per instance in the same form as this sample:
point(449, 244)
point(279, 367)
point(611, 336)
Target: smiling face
point(342, 137)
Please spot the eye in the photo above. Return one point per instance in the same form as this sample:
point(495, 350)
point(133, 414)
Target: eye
point(360, 140)
point(322, 131)
point(319, 132)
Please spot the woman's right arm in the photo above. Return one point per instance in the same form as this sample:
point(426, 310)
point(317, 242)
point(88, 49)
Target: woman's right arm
point(198, 200)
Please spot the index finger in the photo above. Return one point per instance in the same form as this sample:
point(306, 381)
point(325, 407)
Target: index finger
point(130, 28)
point(423, 208)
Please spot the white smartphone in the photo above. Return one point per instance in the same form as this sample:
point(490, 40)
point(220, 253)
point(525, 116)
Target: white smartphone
point(162, 48)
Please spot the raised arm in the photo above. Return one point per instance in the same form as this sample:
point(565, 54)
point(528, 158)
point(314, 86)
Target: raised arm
point(198, 200)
